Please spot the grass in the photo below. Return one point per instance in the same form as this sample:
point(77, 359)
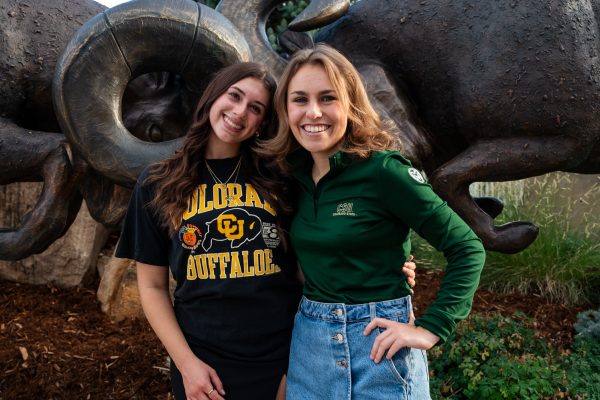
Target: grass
point(563, 264)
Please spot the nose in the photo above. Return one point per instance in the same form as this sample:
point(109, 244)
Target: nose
point(314, 111)
point(240, 109)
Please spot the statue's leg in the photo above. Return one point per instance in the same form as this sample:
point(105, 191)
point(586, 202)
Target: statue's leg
point(27, 156)
point(502, 160)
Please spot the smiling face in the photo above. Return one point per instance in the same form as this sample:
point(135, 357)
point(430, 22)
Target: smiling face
point(235, 116)
point(316, 116)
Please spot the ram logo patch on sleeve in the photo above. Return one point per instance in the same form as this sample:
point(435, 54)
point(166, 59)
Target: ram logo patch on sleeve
point(416, 175)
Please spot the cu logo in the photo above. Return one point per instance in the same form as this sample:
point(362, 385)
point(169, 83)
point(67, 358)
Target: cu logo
point(236, 226)
point(230, 226)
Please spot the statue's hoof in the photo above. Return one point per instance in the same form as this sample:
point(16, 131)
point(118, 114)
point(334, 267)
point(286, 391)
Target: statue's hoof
point(513, 237)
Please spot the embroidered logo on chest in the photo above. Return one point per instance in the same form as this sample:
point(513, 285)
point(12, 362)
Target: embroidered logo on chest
point(344, 209)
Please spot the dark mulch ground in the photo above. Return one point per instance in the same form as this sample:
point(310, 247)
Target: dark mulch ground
point(57, 344)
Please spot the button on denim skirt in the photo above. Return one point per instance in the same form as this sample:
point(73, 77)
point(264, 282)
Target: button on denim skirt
point(330, 355)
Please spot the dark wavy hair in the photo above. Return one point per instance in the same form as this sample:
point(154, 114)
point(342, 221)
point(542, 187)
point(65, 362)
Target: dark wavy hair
point(177, 176)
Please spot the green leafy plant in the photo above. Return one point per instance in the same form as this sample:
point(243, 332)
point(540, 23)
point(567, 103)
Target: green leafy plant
point(583, 364)
point(498, 357)
point(495, 358)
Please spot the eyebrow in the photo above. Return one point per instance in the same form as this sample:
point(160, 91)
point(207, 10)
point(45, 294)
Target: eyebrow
point(301, 92)
point(244, 93)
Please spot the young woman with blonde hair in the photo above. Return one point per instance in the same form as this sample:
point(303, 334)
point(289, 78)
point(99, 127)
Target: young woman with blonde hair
point(353, 337)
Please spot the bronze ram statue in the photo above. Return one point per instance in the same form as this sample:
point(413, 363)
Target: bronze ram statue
point(481, 90)
point(478, 91)
point(32, 35)
point(154, 107)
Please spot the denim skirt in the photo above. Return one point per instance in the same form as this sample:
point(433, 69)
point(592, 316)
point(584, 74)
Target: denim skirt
point(330, 355)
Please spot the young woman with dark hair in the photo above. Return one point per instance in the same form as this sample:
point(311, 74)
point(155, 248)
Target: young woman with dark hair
point(213, 212)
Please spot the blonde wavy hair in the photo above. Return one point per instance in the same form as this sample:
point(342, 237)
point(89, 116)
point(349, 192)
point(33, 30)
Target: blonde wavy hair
point(365, 133)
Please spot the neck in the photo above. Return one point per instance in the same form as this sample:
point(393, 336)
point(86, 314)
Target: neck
point(320, 166)
point(221, 150)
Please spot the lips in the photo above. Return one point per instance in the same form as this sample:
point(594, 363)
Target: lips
point(314, 130)
point(229, 122)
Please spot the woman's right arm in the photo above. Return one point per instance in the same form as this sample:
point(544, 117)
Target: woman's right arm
point(198, 377)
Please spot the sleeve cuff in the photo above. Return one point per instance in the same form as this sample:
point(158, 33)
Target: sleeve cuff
point(437, 325)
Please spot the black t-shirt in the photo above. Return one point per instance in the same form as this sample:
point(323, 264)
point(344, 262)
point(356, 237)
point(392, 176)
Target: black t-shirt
point(236, 291)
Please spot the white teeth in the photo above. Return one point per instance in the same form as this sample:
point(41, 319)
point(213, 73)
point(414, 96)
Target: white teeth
point(315, 128)
point(230, 122)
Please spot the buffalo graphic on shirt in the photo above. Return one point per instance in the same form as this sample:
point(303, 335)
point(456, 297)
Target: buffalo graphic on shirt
point(235, 225)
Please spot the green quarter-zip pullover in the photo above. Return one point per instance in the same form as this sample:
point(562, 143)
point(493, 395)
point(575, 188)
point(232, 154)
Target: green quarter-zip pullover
point(352, 235)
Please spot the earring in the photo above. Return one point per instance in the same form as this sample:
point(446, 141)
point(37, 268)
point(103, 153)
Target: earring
point(257, 133)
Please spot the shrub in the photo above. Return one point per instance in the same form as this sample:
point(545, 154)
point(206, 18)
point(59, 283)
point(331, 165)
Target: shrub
point(500, 358)
point(588, 324)
point(495, 358)
point(583, 365)
point(583, 368)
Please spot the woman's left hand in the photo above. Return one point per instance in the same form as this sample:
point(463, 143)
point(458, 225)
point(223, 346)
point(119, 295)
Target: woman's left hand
point(396, 336)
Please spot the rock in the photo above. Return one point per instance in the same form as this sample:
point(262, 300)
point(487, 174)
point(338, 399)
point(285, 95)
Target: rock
point(118, 291)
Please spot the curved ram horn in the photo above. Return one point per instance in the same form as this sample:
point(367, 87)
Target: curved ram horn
point(137, 37)
point(318, 14)
point(250, 17)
